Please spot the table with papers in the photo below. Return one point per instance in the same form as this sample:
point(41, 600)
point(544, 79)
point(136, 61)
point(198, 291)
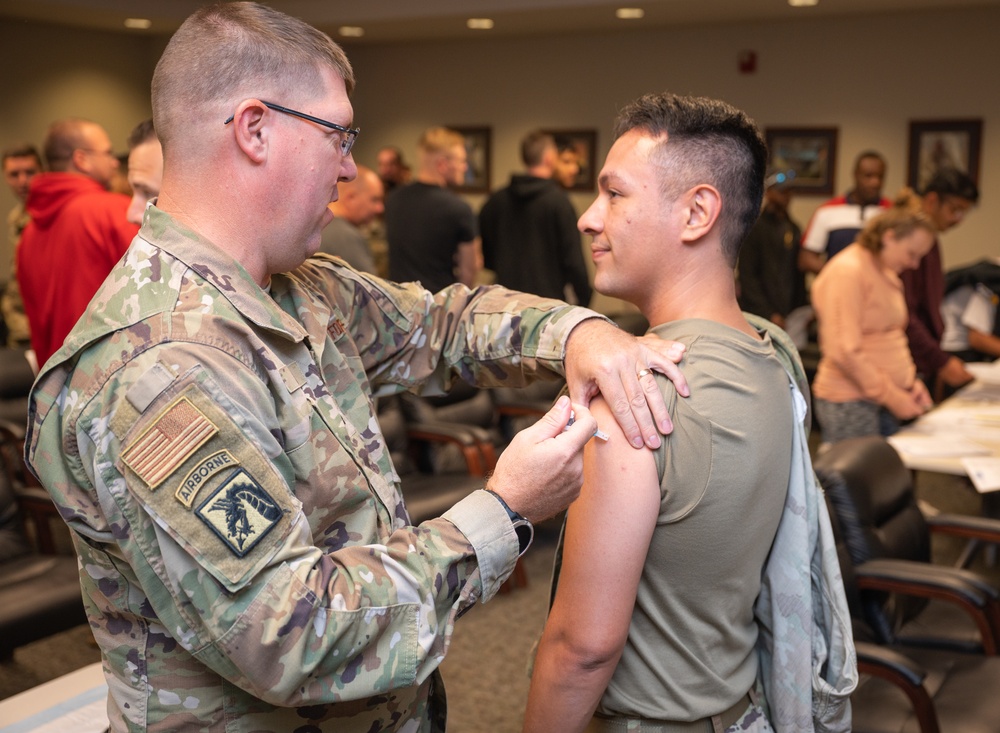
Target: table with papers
point(960, 436)
point(76, 702)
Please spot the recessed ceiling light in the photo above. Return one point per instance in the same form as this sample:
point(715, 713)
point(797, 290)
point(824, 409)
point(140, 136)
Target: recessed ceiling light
point(803, 3)
point(140, 23)
point(351, 31)
point(479, 24)
point(629, 13)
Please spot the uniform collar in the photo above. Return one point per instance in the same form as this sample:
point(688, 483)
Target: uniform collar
point(223, 272)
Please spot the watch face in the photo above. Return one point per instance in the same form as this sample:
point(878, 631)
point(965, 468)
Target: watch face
point(525, 534)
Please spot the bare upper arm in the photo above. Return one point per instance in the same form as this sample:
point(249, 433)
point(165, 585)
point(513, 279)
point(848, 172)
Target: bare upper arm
point(607, 537)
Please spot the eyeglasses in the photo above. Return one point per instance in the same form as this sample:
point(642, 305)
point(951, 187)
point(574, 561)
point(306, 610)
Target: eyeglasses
point(348, 134)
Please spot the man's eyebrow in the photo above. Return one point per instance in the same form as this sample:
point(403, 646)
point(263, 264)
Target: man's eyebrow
point(610, 178)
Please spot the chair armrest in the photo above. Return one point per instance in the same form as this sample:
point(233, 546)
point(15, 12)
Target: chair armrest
point(520, 409)
point(905, 674)
point(477, 449)
point(938, 582)
point(12, 431)
point(986, 529)
point(883, 658)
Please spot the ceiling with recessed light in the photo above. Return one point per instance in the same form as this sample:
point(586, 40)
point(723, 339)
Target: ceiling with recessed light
point(399, 20)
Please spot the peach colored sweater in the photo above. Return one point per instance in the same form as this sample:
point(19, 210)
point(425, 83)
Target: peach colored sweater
point(862, 331)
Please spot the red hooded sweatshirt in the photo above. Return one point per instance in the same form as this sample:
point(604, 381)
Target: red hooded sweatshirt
point(77, 233)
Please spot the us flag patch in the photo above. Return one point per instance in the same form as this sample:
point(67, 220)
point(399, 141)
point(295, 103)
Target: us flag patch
point(176, 434)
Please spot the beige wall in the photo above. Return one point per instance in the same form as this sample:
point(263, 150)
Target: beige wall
point(868, 76)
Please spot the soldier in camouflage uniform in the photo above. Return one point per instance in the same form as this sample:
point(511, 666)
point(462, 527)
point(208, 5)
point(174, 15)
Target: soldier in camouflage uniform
point(208, 429)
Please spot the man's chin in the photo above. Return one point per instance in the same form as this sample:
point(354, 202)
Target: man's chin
point(312, 246)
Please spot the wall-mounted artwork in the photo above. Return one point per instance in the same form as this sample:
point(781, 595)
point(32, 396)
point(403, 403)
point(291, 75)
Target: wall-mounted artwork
point(477, 148)
point(808, 155)
point(943, 144)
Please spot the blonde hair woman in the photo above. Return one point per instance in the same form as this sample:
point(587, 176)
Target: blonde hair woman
point(866, 382)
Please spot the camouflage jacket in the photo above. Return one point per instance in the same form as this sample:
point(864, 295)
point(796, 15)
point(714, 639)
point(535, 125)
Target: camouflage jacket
point(808, 663)
point(246, 558)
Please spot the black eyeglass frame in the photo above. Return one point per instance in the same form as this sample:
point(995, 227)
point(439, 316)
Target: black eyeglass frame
point(346, 143)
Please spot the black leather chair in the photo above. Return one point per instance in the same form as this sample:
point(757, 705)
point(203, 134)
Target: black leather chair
point(888, 537)
point(464, 406)
point(39, 586)
point(918, 674)
point(429, 492)
point(16, 378)
point(520, 407)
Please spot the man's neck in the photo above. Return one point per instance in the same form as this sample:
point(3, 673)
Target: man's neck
point(705, 295)
point(432, 178)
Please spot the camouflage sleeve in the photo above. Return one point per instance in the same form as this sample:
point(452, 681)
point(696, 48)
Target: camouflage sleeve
point(490, 336)
point(188, 455)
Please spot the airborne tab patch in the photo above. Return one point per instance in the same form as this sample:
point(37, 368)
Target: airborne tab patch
point(240, 512)
point(207, 467)
point(175, 435)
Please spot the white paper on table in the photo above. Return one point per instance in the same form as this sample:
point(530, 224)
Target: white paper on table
point(84, 713)
point(985, 371)
point(947, 418)
point(937, 446)
point(984, 473)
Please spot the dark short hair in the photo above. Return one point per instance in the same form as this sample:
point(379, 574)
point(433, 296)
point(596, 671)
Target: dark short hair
point(707, 141)
point(564, 143)
point(21, 150)
point(952, 182)
point(141, 133)
point(397, 153)
point(869, 154)
point(533, 147)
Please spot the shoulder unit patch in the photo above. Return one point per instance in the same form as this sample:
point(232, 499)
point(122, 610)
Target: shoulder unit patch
point(240, 512)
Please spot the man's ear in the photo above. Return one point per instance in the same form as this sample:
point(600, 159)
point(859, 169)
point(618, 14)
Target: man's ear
point(250, 129)
point(702, 206)
point(80, 161)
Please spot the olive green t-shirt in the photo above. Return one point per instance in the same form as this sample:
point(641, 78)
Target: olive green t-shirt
point(724, 471)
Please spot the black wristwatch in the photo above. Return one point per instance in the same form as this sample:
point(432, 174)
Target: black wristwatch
point(522, 527)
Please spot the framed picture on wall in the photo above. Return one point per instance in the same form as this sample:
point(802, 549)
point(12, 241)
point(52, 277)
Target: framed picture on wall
point(940, 144)
point(583, 144)
point(807, 154)
point(477, 148)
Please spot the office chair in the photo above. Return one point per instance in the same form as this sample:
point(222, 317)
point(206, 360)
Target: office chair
point(918, 674)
